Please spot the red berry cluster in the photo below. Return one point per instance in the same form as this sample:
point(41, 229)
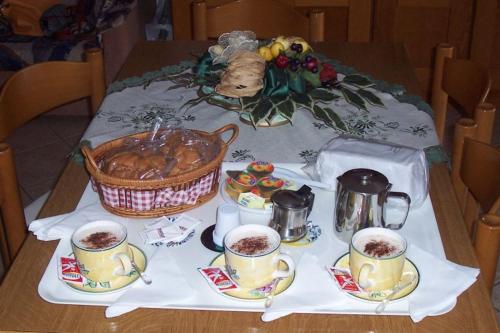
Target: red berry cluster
point(328, 75)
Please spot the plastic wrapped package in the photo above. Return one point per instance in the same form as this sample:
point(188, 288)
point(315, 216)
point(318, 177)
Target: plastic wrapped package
point(167, 152)
point(405, 167)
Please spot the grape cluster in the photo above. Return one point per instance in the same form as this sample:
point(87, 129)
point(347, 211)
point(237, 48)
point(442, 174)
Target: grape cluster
point(297, 47)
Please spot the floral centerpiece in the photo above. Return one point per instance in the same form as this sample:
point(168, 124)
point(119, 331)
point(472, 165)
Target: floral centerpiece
point(269, 81)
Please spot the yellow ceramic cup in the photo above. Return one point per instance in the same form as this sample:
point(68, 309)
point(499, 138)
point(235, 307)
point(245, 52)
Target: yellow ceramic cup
point(252, 254)
point(376, 258)
point(102, 252)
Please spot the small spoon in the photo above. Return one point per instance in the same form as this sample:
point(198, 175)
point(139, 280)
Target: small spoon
point(381, 307)
point(146, 279)
point(270, 296)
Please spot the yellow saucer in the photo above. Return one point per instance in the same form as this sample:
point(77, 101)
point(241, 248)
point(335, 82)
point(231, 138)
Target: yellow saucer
point(255, 294)
point(378, 296)
point(121, 282)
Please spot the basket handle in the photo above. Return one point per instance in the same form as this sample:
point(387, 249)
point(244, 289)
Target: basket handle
point(87, 152)
point(232, 127)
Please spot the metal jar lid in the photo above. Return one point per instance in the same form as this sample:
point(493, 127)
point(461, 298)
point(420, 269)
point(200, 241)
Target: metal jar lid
point(289, 199)
point(364, 181)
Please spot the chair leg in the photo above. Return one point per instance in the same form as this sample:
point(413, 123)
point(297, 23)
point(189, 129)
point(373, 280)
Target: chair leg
point(486, 246)
point(199, 14)
point(485, 119)
point(317, 26)
point(464, 128)
point(439, 99)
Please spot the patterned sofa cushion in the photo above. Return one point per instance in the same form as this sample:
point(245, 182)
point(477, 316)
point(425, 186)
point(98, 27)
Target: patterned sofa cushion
point(69, 28)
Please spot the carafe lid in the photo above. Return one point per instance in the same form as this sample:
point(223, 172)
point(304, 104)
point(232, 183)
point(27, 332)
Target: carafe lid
point(289, 199)
point(364, 181)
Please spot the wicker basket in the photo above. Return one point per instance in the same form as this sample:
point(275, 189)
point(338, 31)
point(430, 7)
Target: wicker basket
point(153, 198)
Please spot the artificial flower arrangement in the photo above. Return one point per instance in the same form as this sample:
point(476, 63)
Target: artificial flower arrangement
point(268, 81)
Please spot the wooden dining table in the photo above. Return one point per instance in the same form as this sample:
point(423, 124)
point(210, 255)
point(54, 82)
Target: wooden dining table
point(22, 309)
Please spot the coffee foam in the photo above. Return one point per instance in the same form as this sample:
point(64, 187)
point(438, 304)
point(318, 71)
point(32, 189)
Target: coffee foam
point(396, 245)
point(234, 238)
point(84, 232)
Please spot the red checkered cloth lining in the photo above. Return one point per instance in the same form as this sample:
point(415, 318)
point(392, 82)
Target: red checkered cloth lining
point(144, 200)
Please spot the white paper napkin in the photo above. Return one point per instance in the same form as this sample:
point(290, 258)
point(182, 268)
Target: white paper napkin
point(62, 226)
point(317, 290)
point(441, 282)
point(168, 287)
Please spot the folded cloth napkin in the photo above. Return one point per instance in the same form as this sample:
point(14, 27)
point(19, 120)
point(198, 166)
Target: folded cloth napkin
point(61, 226)
point(405, 167)
point(441, 281)
point(168, 286)
point(317, 290)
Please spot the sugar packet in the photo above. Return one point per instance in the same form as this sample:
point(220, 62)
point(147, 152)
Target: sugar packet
point(218, 279)
point(344, 280)
point(164, 230)
point(68, 271)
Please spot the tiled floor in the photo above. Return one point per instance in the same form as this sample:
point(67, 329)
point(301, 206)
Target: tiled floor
point(42, 147)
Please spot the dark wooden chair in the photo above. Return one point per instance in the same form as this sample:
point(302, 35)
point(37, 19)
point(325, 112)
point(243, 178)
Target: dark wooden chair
point(27, 94)
point(267, 18)
point(476, 179)
point(467, 84)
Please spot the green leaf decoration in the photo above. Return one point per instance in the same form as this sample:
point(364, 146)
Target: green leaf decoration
point(357, 80)
point(329, 117)
point(312, 78)
point(261, 111)
point(336, 119)
point(323, 95)
point(296, 82)
point(303, 100)
point(176, 86)
point(105, 284)
point(286, 109)
point(370, 97)
point(90, 284)
point(353, 98)
point(248, 102)
point(195, 101)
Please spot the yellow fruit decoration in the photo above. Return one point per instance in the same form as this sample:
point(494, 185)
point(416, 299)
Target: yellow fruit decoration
point(276, 48)
point(283, 40)
point(299, 40)
point(265, 52)
point(305, 46)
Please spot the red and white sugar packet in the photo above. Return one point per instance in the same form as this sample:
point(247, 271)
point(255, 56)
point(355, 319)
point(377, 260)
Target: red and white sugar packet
point(68, 271)
point(344, 280)
point(218, 279)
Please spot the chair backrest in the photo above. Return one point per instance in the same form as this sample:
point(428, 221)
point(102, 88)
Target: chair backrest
point(476, 179)
point(267, 18)
point(465, 82)
point(44, 86)
point(28, 93)
point(12, 227)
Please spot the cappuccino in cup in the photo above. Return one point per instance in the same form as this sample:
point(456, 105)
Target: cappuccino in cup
point(253, 245)
point(102, 252)
point(376, 258)
point(379, 246)
point(253, 257)
point(99, 238)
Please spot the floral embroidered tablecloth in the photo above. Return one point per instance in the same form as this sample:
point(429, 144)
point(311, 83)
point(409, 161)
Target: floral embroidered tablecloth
point(135, 104)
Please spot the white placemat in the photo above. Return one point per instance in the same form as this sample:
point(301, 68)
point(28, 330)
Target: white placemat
point(420, 229)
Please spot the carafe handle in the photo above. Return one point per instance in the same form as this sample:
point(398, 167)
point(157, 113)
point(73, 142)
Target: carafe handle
point(406, 198)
